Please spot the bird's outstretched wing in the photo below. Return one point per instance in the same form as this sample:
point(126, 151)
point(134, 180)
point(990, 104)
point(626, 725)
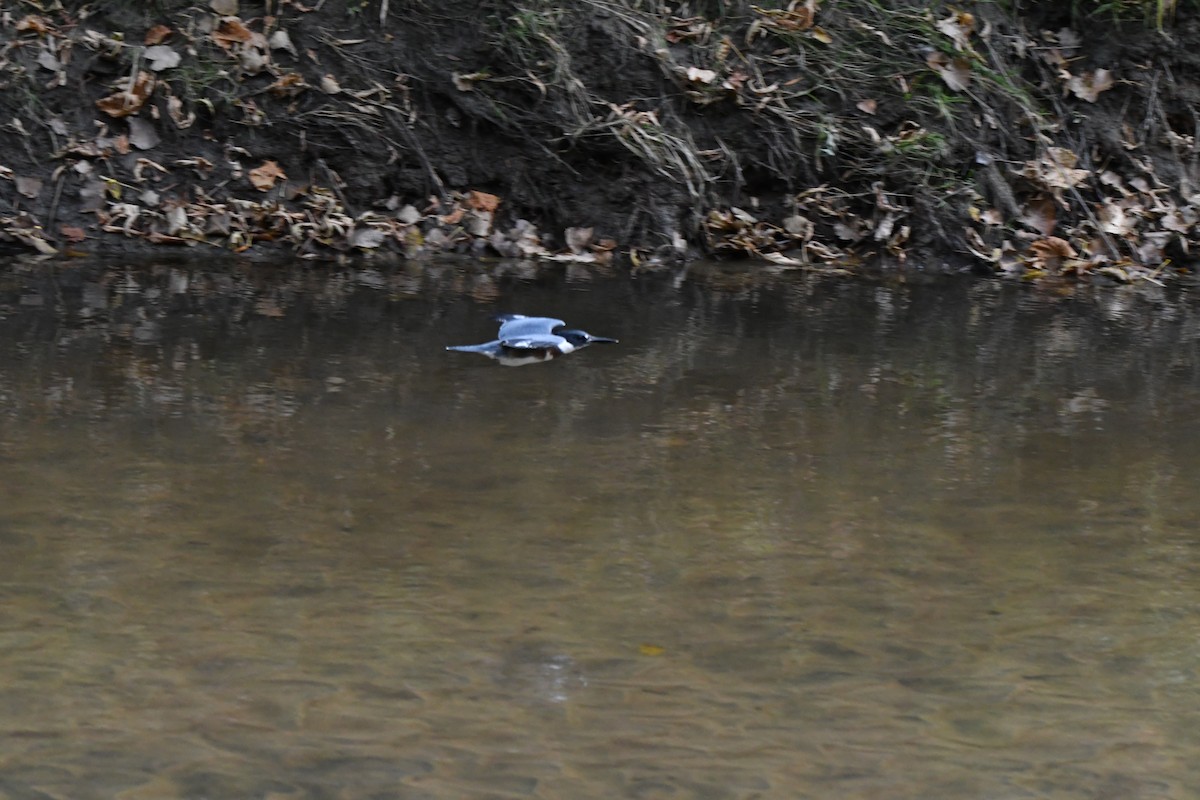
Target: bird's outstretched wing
point(528, 333)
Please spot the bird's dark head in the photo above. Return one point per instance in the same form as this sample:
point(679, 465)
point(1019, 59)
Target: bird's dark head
point(583, 338)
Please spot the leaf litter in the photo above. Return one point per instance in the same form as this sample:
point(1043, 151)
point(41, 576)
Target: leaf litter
point(1054, 211)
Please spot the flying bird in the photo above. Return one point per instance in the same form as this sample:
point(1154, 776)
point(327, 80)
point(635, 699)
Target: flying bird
point(530, 340)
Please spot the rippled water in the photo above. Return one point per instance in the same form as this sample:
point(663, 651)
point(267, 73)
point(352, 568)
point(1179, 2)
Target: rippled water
point(261, 536)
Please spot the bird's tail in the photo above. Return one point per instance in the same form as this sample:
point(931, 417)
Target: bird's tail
point(474, 348)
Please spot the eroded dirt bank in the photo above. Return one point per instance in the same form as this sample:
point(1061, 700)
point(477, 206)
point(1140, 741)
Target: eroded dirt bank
point(1057, 141)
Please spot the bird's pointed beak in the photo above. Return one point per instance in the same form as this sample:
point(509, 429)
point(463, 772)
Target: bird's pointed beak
point(602, 340)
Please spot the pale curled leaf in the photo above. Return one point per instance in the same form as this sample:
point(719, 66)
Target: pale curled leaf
point(142, 134)
point(367, 238)
point(177, 220)
point(280, 40)
point(578, 238)
point(29, 187)
point(47, 60)
point(959, 27)
point(161, 57)
point(1089, 85)
point(1114, 220)
point(1055, 169)
point(329, 84)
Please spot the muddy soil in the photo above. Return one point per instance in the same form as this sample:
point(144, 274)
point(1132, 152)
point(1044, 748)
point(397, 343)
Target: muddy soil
point(1048, 141)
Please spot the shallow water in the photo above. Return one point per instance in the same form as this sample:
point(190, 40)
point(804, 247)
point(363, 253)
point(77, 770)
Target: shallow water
point(260, 536)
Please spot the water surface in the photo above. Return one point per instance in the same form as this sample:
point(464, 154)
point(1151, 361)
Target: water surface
point(261, 536)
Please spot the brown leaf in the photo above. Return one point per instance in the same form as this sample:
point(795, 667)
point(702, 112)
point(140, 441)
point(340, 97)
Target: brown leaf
point(32, 22)
point(72, 233)
point(482, 201)
point(231, 31)
point(263, 178)
point(1051, 249)
point(1040, 215)
point(157, 35)
point(1055, 169)
point(956, 72)
point(289, 84)
point(129, 100)
point(867, 106)
point(790, 19)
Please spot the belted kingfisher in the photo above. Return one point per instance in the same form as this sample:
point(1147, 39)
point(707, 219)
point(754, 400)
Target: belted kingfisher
point(528, 340)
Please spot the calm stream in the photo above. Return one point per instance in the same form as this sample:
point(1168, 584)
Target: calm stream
point(793, 537)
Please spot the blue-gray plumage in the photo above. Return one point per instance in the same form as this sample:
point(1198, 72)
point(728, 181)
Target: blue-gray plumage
point(529, 340)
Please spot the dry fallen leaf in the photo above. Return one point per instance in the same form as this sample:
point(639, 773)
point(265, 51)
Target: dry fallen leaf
point(263, 178)
point(367, 238)
point(1055, 169)
point(1050, 251)
point(466, 83)
point(482, 201)
point(225, 7)
point(1114, 220)
point(280, 40)
point(1177, 221)
point(29, 187)
point(1089, 85)
point(478, 223)
point(157, 35)
point(72, 233)
point(959, 28)
point(47, 60)
point(867, 106)
point(578, 239)
point(175, 110)
point(791, 19)
point(142, 134)
point(231, 31)
point(161, 57)
point(129, 100)
point(289, 84)
point(1039, 214)
point(329, 84)
point(32, 22)
point(956, 72)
